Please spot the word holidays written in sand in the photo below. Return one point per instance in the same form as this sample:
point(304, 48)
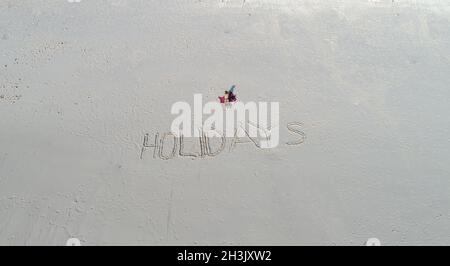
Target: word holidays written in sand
point(168, 146)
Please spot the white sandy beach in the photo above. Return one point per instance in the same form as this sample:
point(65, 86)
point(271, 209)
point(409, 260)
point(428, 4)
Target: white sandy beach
point(81, 84)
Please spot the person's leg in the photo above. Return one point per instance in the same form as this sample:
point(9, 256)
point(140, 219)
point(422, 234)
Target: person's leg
point(232, 89)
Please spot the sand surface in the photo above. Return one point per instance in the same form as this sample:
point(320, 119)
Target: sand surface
point(81, 84)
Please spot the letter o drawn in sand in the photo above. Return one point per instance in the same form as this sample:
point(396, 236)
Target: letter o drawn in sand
point(161, 146)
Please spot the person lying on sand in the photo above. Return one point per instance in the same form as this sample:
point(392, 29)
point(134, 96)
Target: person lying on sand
point(228, 96)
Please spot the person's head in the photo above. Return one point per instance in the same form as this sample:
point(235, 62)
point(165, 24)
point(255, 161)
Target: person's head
point(226, 92)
